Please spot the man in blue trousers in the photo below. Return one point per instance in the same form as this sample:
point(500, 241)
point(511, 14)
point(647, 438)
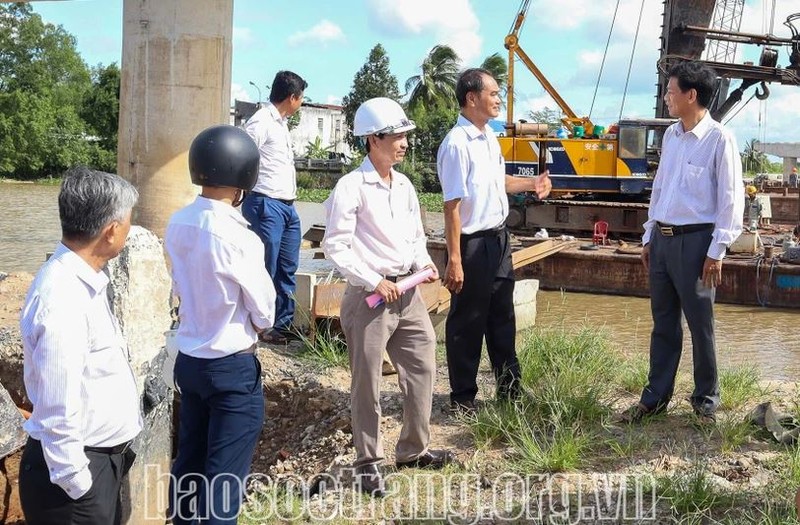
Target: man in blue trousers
point(269, 207)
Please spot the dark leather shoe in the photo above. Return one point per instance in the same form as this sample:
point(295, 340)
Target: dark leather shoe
point(432, 459)
point(370, 480)
point(464, 408)
point(638, 413)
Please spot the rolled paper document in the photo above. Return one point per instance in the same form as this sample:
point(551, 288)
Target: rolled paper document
point(406, 284)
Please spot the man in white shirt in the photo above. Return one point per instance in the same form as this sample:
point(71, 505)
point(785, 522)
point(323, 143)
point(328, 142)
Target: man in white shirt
point(374, 236)
point(269, 207)
point(696, 212)
point(479, 272)
point(77, 375)
point(226, 300)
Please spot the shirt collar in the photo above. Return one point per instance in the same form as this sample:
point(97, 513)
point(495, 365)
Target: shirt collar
point(702, 127)
point(205, 203)
point(97, 281)
point(274, 112)
point(472, 131)
point(371, 175)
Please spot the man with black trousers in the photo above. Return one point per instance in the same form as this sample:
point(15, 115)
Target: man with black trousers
point(479, 272)
point(696, 212)
point(77, 374)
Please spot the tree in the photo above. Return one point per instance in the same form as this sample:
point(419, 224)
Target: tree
point(496, 65)
point(42, 84)
point(374, 79)
point(315, 150)
point(754, 161)
point(436, 83)
point(547, 116)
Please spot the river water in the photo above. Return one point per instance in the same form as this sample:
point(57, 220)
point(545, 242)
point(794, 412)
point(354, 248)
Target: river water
point(747, 336)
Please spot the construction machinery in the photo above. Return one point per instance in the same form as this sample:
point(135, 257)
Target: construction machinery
point(607, 175)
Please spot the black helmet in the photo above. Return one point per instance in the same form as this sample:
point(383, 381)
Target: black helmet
point(224, 156)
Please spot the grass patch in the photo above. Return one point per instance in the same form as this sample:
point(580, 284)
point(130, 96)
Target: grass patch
point(567, 391)
point(633, 374)
point(738, 386)
point(430, 201)
point(732, 430)
point(327, 348)
point(691, 494)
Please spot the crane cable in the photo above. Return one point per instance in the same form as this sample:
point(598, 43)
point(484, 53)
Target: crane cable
point(740, 109)
point(630, 63)
point(603, 62)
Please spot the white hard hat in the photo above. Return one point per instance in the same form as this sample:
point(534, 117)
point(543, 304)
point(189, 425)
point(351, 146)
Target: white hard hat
point(381, 115)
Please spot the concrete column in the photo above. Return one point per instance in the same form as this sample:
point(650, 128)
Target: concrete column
point(176, 81)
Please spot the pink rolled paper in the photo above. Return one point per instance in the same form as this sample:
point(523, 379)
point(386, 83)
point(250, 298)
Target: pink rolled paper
point(406, 284)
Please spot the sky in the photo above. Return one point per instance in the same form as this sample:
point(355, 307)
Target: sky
point(327, 41)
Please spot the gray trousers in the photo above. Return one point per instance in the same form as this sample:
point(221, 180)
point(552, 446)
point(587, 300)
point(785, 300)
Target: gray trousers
point(403, 328)
point(676, 270)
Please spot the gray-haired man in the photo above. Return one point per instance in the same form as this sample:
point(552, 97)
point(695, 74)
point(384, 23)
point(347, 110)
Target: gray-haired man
point(85, 401)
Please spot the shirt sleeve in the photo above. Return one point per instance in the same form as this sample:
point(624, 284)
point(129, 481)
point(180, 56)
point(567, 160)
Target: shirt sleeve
point(244, 265)
point(421, 256)
point(730, 197)
point(59, 354)
point(655, 195)
point(341, 217)
point(256, 129)
point(452, 164)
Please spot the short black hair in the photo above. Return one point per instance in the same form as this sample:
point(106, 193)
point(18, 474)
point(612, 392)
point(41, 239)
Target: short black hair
point(469, 81)
point(286, 84)
point(695, 75)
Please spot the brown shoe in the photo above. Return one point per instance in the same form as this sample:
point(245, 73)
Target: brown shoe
point(369, 480)
point(637, 413)
point(432, 459)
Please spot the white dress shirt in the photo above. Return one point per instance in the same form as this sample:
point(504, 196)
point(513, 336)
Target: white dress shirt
point(218, 272)
point(374, 229)
point(699, 180)
point(276, 173)
point(471, 168)
point(77, 373)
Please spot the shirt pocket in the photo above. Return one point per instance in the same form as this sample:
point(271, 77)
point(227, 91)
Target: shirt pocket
point(695, 179)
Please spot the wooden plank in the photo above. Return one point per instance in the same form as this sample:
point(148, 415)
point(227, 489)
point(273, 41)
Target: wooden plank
point(538, 251)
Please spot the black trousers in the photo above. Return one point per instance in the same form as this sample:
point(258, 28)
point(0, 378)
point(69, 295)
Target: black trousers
point(45, 503)
point(676, 270)
point(484, 308)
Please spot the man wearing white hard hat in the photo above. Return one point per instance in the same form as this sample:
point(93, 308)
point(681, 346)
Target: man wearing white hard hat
point(374, 236)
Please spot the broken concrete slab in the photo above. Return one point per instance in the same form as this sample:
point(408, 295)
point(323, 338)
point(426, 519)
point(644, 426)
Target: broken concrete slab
point(12, 436)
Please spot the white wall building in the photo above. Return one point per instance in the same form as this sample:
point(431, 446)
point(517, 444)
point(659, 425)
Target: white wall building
point(325, 121)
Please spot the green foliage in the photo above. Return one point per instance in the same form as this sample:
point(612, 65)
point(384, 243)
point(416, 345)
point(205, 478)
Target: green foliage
point(738, 386)
point(374, 79)
point(754, 161)
point(496, 65)
point(692, 493)
point(433, 123)
point(327, 349)
point(312, 195)
point(100, 108)
point(53, 113)
point(548, 116)
point(435, 85)
point(315, 150)
point(422, 175)
point(294, 120)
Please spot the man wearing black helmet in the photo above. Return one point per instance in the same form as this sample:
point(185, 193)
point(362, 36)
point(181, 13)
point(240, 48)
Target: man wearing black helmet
point(227, 299)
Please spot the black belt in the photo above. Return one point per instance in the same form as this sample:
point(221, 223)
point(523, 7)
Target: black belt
point(494, 232)
point(394, 278)
point(119, 449)
point(668, 230)
point(286, 202)
point(251, 350)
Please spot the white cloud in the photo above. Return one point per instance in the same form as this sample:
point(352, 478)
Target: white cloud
point(323, 32)
point(242, 35)
point(240, 93)
point(451, 22)
point(333, 99)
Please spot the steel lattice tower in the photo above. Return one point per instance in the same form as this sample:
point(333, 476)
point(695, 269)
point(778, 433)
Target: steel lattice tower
point(727, 17)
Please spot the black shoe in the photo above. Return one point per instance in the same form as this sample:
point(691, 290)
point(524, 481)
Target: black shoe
point(432, 459)
point(704, 416)
point(638, 412)
point(370, 480)
point(464, 408)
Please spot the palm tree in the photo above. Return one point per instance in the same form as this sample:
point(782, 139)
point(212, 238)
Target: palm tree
point(496, 65)
point(436, 83)
point(754, 160)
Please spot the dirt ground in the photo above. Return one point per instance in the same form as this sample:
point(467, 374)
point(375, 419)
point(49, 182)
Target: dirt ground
point(307, 425)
